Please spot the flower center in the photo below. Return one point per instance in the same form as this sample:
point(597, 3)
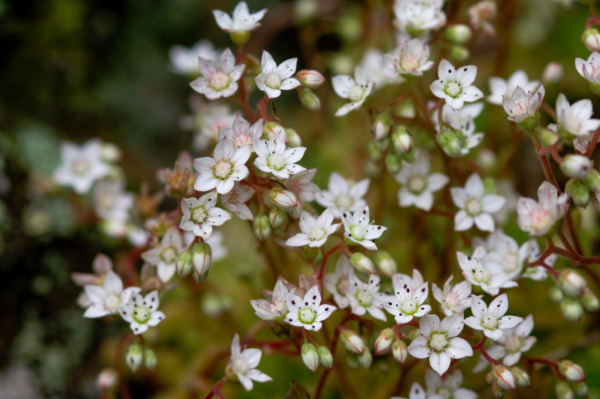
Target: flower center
point(169, 255)
point(438, 342)
point(107, 200)
point(364, 298)
point(316, 234)
point(541, 220)
point(417, 184)
point(273, 81)
point(112, 302)
point(489, 322)
point(513, 344)
point(358, 233)
point(409, 62)
point(220, 81)
point(276, 161)
point(307, 315)
point(356, 93)
point(341, 285)
point(409, 307)
point(198, 214)
point(511, 262)
point(223, 169)
point(141, 314)
point(452, 301)
point(444, 392)
point(481, 275)
point(80, 167)
point(453, 89)
point(345, 201)
point(240, 366)
point(473, 207)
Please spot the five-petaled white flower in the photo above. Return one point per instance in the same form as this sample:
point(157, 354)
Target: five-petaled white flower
point(522, 105)
point(454, 299)
point(240, 21)
point(184, 61)
point(302, 186)
point(223, 169)
point(307, 312)
point(276, 307)
point(475, 206)
point(241, 133)
point(590, 69)
point(141, 312)
point(478, 272)
point(409, 59)
point(575, 121)
point(165, 254)
point(500, 87)
point(358, 228)
point(504, 254)
point(343, 193)
point(219, 78)
point(111, 202)
point(455, 86)
point(101, 265)
point(447, 387)
point(273, 157)
point(418, 185)
point(355, 89)
point(408, 298)
point(201, 214)
point(244, 363)
point(275, 78)
point(439, 341)
point(315, 231)
point(513, 343)
point(364, 297)
point(491, 320)
point(109, 298)
point(417, 18)
point(81, 165)
point(235, 201)
point(539, 218)
point(337, 281)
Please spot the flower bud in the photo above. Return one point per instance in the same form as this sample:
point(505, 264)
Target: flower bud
point(384, 341)
point(309, 99)
point(399, 351)
point(381, 126)
point(296, 211)
point(576, 166)
point(310, 78)
point(382, 145)
point(591, 39)
point(325, 357)
point(578, 192)
point(553, 73)
point(202, 258)
point(277, 217)
point(555, 294)
point(393, 163)
point(262, 226)
point(592, 180)
point(590, 301)
point(571, 283)
point(571, 371)
point(581, 389)
point(503, 377)
point(272, 129)
point(150, 359)
point(414, 334)
point(571, 309)
point(385, 263)
point(352, 360)
point(351, 340)
point(452, 141)
point(489, 185)
point(134, 357)
point(564, 391)
point(107, 379)
point(361, 263)
point(305, 11)
point(110, 152)
point(497, 390)
point(284, 199)
point(521, 377)
point(547, 137)
point(402, 140)
point(310, 357)
point(459, 53)
point(200, 278)
point(293, 138)
point(365, 359)
point(240, 37)
point(458, 34)
point(374, 153)
point(184, 263)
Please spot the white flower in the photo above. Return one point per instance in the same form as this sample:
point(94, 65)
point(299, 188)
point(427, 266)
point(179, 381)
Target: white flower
point(100, 265)
point(454, 299)
point(275, 78)
point(418, 185)
point(539, 218)
point(199, 215)
point(337, 281)
point(344, 193)
point(206, 121)
point(439, 341)
point(491, 320)
point(590, 69)
point(409, 59)
point(504, 254)
point(447, 387)
point(81, 165)
point(478, 273)
point(575, 121)
point(481, 14)
point(273, 157)
point(500, 87)
point(356, 90)
point(184, 61)
point(276, 307)
point(315, 231)
point(364, 297)
point(417, 392)
point(455, 86)
point(240, 21)
point(142, 312)
point(235, 201)
point(307, 312)
point(522, 105)
point(165, 255)
point(475, 206)
point(417, 18)
point(110, 201)
point(219, 78)
point(109, 298)
point(244, 363)
point(241, 133)
point(227, 166)
point(372, 65)
point(463, 120)
point(302, 186)
point(358, 228)
point(408, 298)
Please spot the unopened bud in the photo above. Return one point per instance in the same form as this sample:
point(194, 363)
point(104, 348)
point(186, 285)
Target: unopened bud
point(365, 359)
point(325, 357)
point(293, 138)
point(362, 263)
point(351, 340)
point(150, 359)
point(555, 294)
point(592, 180)
point(578, 192)
point(202, 258)
point(284, 199)
point(571, 371)
point(458, 34)
point(262, 226)
point(277, 217)
point(489, 185)
point(590, 301)
point(374, 153)
point(452, 141)
point(572, 283)
point(402, 140)
point(564, 391)
point(107, 379)
point(384, 341)
point(576, 166)
point(200, 278)
point(553, 73)
point(310, 78)
point(185, 263)
point(497, 390)
point(503, 377)
point(399, 351)
point(310, 357)
point(240, 37)
point(460, 53)
point(581, 389)
point(296, 211)
point(591, 39)
point(134, 357)
point(309, 99)
point(352, 360)
point(393, 163)
point(571, 309)
point(547, 137)
point(110, 152)
point(382, 145)
point(272, 129)
point(521, 377)
point(381, 126)
point(385, 263)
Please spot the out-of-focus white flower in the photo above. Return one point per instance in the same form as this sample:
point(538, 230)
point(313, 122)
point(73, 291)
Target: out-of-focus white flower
point(110, 201)
point(439, 341)
point(418, 185)
point(240, 20)
point(417, 392)
point(418, 18)
point(223, 169)
point(475, 206)
point(492, 321)
point(307, 312)
point(358, 228)
point(219, 78)
point(355, 89)
point(81, 165)
point(101, 265)
point(164, 255)
point(315, 231)
point(409, 59)
point(273, 157)
point(522, 105)
point(575, 121)
point(540, 218)
point(553, 73)
point(337, 281)
point(590, 69)
point(235, 201)
point(454, 299)
point(275, 307)
point(108, 298)
point(500, 87)
point(201, 214)
point(478, 273)
point(455, 86)
point(504, 256)
point(343, 193)
point(241, 133)
point(447, 387)
point(208, 117)
point(275, 78)
point(372, 65)
point(364, 297)
point(462, 120)
point(141, 312)
point(184, 61)
point(302, 186)
point(244, 363)
point(481, 14)
point(407, 301)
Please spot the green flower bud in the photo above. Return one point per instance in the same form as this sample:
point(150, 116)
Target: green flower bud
point(293, 138)
point(374, 153)
point(365, 359)
point(402, 140)
point(521, 377)
point(460, 53)
point(489, 185)
point(571, 309)
point(309, 99)
point(362, 263)
point(305, 11)
point(497, 390)
point(578, 192)
point(134, 356)
point(351, 340)
point(325, 357)
point(240, 37)
point(581, 389)
point(576, 166)
point(592, 180)
point(547, 137)
point(591, 38)
point(352, 360)
point(555, 294)
point(384, 341)
point(563, 391)
point(310, 78)
point(452, 141)
point(393, 163)
point(383, 144)
point(310, 357)
point(399, 351)
point(503, 377)
point(185, 263)
point(150, 359)
point(277, 217)
point(262, 226)
point(381, 126)
point(200, 278)
point(589, 301)
point(202, 258)
point(413, 334)
point(571, 371)
point(385, 263)
point(272, 129)
point(572, 283)
point(458, 34)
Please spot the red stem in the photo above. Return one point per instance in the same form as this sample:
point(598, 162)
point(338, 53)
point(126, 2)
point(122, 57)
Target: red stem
point(216, 390)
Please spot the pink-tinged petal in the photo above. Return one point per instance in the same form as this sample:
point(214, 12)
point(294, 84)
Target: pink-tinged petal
point(419, 348)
